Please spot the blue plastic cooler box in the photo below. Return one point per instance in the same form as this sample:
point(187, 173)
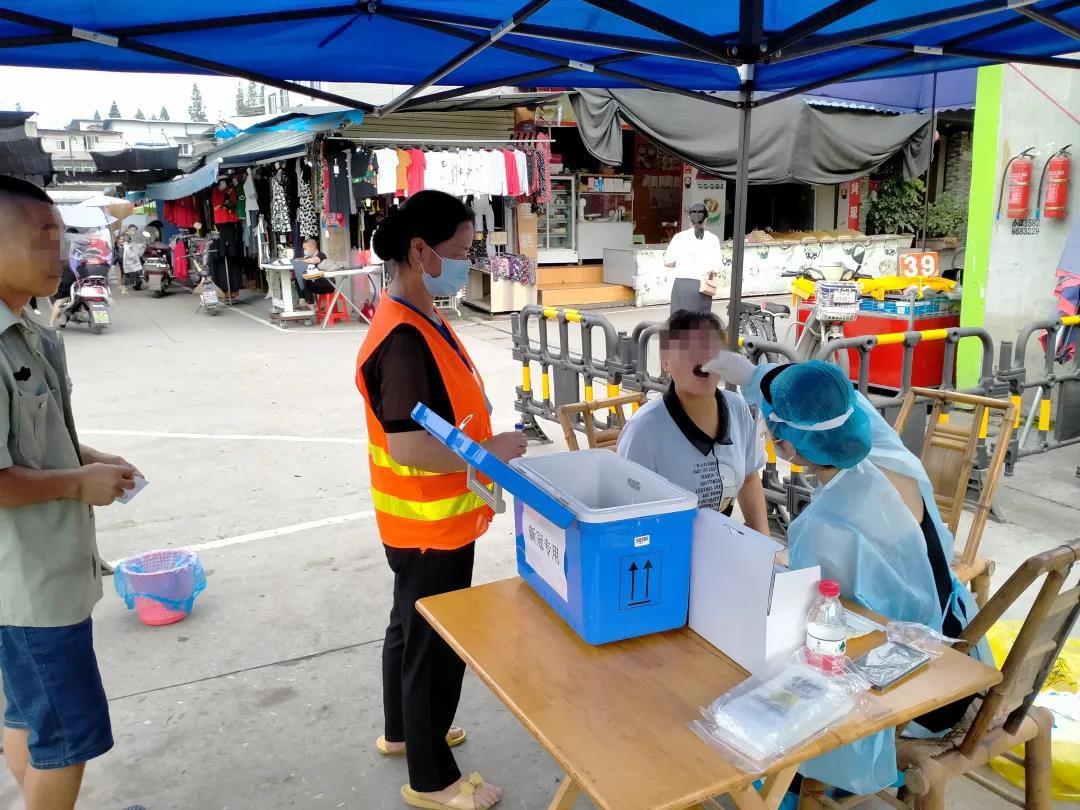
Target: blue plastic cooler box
point(602, 540)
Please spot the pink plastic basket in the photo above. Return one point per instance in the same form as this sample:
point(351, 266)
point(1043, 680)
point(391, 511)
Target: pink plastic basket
point(155, 614)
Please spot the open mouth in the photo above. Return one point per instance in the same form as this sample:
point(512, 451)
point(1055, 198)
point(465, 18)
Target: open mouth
point(700, 372)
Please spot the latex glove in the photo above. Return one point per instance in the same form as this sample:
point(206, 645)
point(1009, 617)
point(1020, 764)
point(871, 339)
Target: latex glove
point(733, 367)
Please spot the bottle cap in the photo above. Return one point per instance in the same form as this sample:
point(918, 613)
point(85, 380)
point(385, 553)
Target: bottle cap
point(829, 588)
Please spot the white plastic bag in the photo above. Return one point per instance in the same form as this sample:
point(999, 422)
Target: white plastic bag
point(772, 714)
point(919, 636)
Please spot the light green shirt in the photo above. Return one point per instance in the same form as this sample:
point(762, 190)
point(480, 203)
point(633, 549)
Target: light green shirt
point(49, 567)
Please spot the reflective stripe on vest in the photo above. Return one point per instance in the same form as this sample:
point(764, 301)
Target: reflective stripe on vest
point(427, 511)
point(381, 458)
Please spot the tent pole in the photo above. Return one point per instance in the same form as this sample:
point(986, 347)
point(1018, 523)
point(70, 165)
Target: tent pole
point(738, 236)
point(929, 163)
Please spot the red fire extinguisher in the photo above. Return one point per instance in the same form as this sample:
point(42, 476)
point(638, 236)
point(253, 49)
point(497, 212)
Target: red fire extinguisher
point(1056, 175)
point(1017, 176)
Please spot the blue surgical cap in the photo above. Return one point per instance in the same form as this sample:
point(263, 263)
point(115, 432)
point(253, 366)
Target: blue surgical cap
point(813, 406)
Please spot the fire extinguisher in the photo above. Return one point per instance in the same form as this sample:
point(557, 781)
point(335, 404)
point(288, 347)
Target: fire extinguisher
point(1056, 171)
point(1017, 176)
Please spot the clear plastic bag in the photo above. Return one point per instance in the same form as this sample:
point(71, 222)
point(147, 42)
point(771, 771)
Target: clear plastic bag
point(770, 715)
point(922, 638)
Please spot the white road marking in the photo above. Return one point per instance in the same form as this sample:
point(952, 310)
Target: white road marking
point(301, 330)
point(282, 531)
point(227, 437)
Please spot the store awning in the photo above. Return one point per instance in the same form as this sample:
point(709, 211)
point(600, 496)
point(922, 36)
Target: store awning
point(791, 141)
point(138, 159)
point(283, 137)
point(185, 185)
point(21, 154)
point(954, 90)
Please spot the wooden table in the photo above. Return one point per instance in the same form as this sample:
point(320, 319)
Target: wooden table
point(615, 717)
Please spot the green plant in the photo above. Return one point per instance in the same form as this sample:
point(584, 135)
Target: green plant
point(946, 217)
point(897, 206)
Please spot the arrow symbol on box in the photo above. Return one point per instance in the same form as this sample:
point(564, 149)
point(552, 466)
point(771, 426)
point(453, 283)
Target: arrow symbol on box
point(648, 574)
point(633, 580)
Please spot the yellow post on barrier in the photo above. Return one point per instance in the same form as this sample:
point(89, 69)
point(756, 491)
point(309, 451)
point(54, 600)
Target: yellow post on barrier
point(770, 451)
point(1017, 403)
point(551, 313)
point(943, 418)
point(588, 391)
point(984, 428)
point(526, 378)
point(572, 315)
point(891, 338)
point(1071, 320)
point(545, 384)
point(934, 334)
point(796, 469)
point(634, 406)
point(1044, 414)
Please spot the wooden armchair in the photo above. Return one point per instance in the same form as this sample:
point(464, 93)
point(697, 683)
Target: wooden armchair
point(1005, 717)
point(596, 435)
point(948, 454)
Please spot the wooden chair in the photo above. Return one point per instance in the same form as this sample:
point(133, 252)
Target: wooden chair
point(597, 435)
point(948, 454)
point(1004, 717)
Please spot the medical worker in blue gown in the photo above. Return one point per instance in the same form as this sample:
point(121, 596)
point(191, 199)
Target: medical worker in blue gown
point(872, 525)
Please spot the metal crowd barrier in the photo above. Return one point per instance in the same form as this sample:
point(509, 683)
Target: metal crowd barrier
point(569, 376)
point(1012, 371)
point(572, 374)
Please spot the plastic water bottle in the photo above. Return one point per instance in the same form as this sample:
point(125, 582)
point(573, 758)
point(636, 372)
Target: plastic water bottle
point(519, 426)
point(826, 629)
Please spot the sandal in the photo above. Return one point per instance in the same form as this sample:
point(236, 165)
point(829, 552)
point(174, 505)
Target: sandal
point(454, 737)
point(463, 801)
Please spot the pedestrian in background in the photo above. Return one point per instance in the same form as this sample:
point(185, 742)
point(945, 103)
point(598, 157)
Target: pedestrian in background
point(56, 716)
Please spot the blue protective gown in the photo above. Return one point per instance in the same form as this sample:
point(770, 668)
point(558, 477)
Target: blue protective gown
point(861, 533)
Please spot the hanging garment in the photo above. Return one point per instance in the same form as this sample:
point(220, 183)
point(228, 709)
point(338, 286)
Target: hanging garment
point(279, 210)
point(364, 170)
point(180, 260)
point(513, 188)
point(484, 215)
point(291, 183)
point(512, 267)
point(182, 213)
point(241, 203)
point(224, 205)
point(251, 196)
point(339, 198)
point(262, 190)
point(306, 218)
point(521, 164)
point(543, 148)
point(416, 171)
point(402, 172)
point(386, 182)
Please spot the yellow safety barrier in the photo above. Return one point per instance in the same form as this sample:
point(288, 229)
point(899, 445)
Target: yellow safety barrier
point(796, 469)
point(573, 316)
point(551, 313)
point(1017, 403)
point(943, 418)
point(895, 338)
point(770, 451)
point(634, 407)
point(526, 379)
point(984, 428)
point(1071, 320)
point(545, 385)
point(588, 392)
point(1044, 415)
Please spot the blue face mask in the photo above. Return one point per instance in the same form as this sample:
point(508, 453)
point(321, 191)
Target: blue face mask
point(455, 272)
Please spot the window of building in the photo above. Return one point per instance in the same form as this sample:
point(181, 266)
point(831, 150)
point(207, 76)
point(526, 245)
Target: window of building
point(272, 103)
point(91, 141)
point(61, 144)
point(185, 148)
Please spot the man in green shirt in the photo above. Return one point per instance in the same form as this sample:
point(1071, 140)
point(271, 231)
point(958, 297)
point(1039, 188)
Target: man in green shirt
point(56, 717)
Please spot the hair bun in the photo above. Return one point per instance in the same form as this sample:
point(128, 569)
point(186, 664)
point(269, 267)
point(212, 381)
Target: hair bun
point(389, 237)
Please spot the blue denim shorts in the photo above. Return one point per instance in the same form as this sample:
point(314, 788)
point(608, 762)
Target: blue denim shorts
point(52, 688)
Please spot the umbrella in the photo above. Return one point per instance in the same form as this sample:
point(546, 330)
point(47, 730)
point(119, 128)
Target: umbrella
point(115, 206)
point(78, 216)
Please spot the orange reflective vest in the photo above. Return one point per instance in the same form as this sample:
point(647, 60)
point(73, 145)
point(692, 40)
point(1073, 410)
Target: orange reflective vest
point(415, 508)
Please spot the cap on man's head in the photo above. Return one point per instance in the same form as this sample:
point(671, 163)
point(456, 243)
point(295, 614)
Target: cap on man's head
point(22, 189)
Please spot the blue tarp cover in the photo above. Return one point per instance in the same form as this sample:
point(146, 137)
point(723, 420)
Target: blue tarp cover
point(403, 41)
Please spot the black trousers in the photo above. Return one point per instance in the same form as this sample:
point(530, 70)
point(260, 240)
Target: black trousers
point(422, 675)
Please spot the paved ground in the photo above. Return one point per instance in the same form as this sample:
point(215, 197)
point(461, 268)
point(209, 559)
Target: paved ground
point(268, 696)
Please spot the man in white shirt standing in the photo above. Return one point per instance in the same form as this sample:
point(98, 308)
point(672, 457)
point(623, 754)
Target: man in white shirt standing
point(695, 254)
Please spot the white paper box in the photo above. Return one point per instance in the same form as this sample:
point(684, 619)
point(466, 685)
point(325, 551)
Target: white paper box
point(740, 601)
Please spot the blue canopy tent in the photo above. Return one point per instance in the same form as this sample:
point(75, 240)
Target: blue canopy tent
point(954, 90)
point(790, 46)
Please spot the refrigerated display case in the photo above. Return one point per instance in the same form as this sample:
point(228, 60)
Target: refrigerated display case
point(556, 231)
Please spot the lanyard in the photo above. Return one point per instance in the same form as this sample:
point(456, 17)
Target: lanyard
point(441, 328)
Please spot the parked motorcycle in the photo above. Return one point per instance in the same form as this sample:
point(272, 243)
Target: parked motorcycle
point(209, 293)
point(157, 263)
point(88, 303)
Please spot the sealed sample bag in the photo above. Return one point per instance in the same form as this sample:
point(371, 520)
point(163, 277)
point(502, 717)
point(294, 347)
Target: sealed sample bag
point(770, 715)
point(161, 586)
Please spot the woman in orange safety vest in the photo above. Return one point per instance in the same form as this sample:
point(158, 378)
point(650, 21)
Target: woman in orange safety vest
point(428, 518)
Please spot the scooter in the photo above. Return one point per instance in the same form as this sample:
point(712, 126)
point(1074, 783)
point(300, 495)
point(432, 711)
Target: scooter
point(209, 293)
point(157, 262)
point(89, 303)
